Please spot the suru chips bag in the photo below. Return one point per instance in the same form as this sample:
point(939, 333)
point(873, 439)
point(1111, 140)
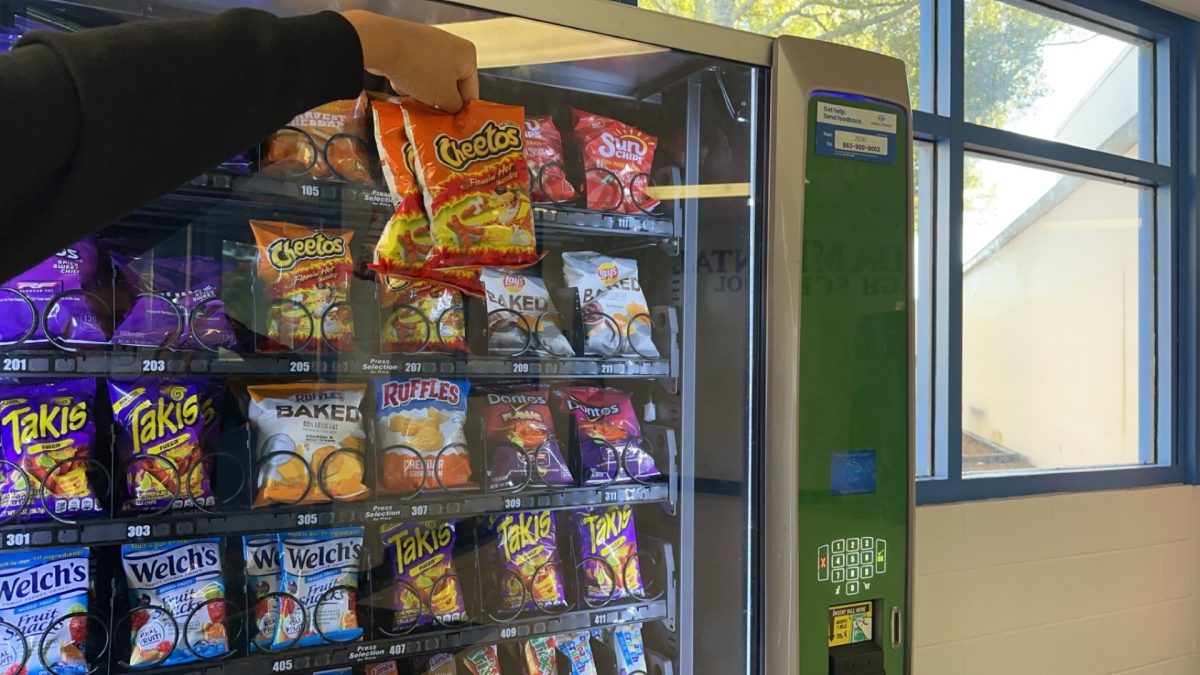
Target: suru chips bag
point(421, 317)
point(526, 564)
point(181, 577)
point(307, 276)
point(544, 155)
point(607, 540)
point(262, 553)
point(426, 415)
point(610, 438)
point(609, 289)
point(404, 246)
point(310, 438)
point(75, 319)
point(41, 588)
point(165, 429)
point(521, 316)
point(617, 160)
point(472, 168)
point(327, 142)
point(43, 428)
point(319, 568)
point(519, 435)
point(421, 558)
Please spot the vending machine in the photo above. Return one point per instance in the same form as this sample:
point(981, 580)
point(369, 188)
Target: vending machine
point(607, 373)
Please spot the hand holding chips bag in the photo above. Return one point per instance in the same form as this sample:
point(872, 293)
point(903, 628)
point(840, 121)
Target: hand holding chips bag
point(608, 549)
point(544, 155)
point(420, 428)
point(615, 315)
point(421, 558)
point(421, 317)
point(327, 142)
point(472, 167)
point(617, 160)
point(307, 275)
point(525, 557)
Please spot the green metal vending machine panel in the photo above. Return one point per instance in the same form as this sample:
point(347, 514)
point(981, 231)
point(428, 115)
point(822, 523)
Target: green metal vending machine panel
point(854, 468)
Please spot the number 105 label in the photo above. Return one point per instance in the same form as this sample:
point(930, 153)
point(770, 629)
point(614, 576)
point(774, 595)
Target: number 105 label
point(867, 143)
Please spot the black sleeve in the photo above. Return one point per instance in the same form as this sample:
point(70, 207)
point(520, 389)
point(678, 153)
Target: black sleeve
point(98, 122)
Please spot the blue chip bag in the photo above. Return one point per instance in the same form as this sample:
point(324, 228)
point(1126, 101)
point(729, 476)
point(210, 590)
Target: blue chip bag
point(625, 641)
point(37, 589)
point(577, 647)
point(320, 568)
point(261, 553)
point(177, 590)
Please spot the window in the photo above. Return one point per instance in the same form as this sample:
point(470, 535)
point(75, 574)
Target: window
point(1050, 207)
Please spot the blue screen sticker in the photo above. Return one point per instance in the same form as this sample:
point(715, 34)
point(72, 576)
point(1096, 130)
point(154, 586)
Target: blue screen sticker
point(852, 473)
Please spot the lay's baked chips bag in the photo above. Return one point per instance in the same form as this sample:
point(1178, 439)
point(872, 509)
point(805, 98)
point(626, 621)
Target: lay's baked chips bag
point(307, 277)
point(615, 315)
point(320, 569)
point(419, 425)
point(421, 557)
point(309, 440)
point(472, 167)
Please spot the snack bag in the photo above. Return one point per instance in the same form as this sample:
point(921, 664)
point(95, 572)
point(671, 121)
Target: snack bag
point(310, 440)
point(319, 567)
point(421, 439)
point(165, 428)
point(578, 649)
point(421, 558)
point(262, 553)
point(37, 589)
point(43, 427)
point(75, 319)
point(538, 656)
point(440, 664)
point(406, 241)
point(615, 316)
point(327, 142)
point(419, 316)
point(610, 438)
point(625, 641)
point(608, 549)
point(483, 661)
point(384, 668)
point(307, 277)
point(183, 578)
point(186, 310)
point(521, 316)
point(519, 434)
point(617, 160)
point(544, 155)
point(526, 564)
point(476, 184)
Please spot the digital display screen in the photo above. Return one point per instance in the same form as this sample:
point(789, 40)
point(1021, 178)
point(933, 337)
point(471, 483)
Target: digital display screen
point(852, 473)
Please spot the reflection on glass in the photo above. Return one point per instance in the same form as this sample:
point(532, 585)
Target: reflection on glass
point(1051, 322)
point(1039, 74)
point(891, 27)
point(922, 272)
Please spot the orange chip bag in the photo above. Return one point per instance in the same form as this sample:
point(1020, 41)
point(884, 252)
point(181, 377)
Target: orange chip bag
point(329, 141)
point(419, 316)
point(307, 275)
point(405, 243)
point(310, 440)
point(476, 184)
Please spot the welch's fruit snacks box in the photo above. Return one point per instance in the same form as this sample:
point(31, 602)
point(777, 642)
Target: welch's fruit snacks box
point(320, 569)
point(177, 592)
point(37, 590)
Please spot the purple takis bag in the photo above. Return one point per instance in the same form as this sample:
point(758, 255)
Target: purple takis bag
point(420, 555)
point(609, 552)
point(165, 428)
point(75, 319)
point(43, 428)
point(170, 317)
point(519, 430)
point(529, 576)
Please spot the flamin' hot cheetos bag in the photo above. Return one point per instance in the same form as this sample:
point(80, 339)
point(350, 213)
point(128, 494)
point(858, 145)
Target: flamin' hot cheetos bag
point(476, 184)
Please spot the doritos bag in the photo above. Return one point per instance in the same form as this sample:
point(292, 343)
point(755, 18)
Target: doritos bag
point(421, 558)
point(420, 434)
point(617, 160)
point(307, 276)
point(310, 438)
point(329, 141)
point(544, 155)
point(420, 316)
point(610, 437)
point(472, 168)
point(615, 315)
point(404, 246)
point(521, 316)
point(519, 436)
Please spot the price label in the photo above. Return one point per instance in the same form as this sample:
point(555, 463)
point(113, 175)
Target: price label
point(419, 509)
point(300, 367)
point(137, 531)
point(508, 633)
point(310, 191)
point(512, 503)
point(16, 365)
point(282, 666)
point(306, 519)
point(412, 367)
point(604, 618)
point(608, 368)
point(13, 539)
point(398, 650)
point(154, 365)
point(519, 367)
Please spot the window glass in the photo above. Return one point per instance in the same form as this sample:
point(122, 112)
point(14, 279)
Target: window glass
point(922, 271)
point(1055, 274)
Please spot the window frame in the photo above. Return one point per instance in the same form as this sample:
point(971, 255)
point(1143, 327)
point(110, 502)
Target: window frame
point(1173, 406)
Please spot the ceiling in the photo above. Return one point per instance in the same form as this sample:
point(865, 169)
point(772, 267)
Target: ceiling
point(1186, 7)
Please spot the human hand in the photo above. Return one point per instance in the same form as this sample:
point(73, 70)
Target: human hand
point(424, 62)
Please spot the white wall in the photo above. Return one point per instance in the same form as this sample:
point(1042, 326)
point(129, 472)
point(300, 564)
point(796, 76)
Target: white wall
point(1078, 584)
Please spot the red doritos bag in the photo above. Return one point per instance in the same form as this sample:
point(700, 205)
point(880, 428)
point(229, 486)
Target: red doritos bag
point(544, 155)
point(617, 160)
